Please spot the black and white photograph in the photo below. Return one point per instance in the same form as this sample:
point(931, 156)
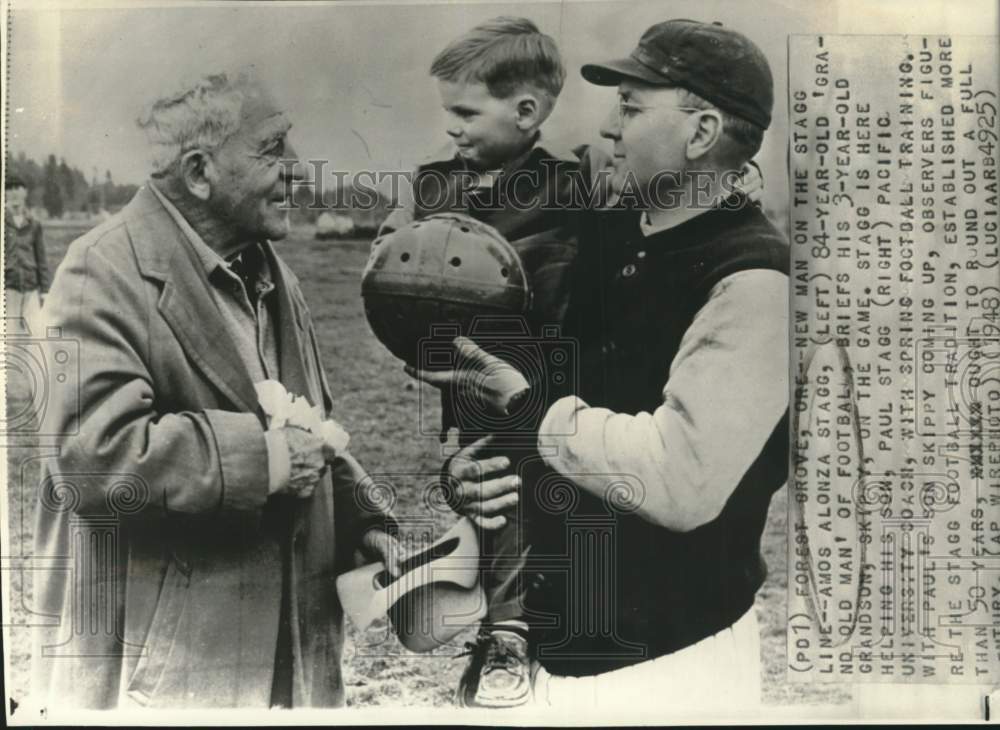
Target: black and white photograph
point(574, 363)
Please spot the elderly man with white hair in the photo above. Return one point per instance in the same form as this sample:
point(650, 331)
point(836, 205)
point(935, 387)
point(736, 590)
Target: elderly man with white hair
point(193, 539)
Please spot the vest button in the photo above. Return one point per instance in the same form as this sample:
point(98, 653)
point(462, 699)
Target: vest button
point(629, 270)
point(640, 254)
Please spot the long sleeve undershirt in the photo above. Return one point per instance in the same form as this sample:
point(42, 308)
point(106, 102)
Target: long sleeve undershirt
point(727, 389)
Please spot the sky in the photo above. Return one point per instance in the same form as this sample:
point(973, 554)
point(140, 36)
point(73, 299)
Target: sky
point(354, 77)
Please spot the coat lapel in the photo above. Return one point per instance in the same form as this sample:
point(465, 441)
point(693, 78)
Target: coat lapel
point(293, 338)
point(186, 302)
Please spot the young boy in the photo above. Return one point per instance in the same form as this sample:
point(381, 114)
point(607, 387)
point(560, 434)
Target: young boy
point(498, 83)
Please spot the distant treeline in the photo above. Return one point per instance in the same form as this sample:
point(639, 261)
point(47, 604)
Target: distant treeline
point(60, 189)
point(366, 207)
point(63, 190)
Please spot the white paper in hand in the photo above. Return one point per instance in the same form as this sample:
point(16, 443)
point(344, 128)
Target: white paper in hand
point(275, 401)
point(336, 438)
point(284, 409)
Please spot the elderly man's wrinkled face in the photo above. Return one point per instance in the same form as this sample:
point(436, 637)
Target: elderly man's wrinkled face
point(249, 189)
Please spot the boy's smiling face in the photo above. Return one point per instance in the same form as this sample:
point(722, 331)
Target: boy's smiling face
point(487, 131)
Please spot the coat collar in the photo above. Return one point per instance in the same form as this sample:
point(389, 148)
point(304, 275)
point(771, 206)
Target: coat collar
point(164, 253)
point(27, 220)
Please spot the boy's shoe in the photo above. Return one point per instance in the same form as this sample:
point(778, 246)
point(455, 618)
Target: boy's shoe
point(498, 673)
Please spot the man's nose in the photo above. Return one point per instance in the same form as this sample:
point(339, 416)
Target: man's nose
point(611, 127)
point(454, 129)
point(291, 167)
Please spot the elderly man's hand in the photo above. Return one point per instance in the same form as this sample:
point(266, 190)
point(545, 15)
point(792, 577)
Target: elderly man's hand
point(379, 545)
point(481, 489)
point(480, 378)
point(307, 459)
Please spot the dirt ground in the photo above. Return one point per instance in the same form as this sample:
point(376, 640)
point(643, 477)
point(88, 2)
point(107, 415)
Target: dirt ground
point(379, 404)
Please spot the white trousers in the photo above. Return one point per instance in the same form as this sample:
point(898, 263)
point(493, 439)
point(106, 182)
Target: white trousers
point(720, 675)
point(24, 313)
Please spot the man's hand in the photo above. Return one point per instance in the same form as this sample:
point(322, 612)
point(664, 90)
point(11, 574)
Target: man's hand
point(379, 545)
point(307, 459)
point(335, 439)
point(483, 488)
point(480, 378)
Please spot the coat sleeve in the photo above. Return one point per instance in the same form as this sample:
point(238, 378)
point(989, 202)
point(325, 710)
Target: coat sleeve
point(113, 425)
point(726, 391)
point(41, 261)
point(360, 503)
point(11, 280)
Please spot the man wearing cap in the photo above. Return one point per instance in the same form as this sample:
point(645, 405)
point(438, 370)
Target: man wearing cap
point(646, 570)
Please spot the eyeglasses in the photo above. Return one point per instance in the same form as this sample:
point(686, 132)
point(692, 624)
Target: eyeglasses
point(628, 110)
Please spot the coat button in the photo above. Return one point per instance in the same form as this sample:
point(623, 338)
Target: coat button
point(640, 254)
point(629, 270)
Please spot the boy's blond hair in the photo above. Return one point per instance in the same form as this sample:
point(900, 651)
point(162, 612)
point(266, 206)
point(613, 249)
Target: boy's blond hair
point(506, 54)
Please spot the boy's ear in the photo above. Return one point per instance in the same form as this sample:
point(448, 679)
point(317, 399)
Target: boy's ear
point(528, 109)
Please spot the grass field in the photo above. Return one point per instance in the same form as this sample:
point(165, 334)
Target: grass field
point(378, 403)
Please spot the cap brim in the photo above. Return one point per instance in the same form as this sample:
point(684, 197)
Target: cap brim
point(611, 73)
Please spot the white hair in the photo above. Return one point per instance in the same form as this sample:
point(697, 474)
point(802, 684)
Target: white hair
point(202, 115)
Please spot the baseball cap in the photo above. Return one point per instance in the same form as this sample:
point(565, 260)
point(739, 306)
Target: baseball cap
point(718, 64)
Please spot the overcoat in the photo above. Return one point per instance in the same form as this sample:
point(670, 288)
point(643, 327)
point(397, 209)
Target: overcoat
point(162, 562)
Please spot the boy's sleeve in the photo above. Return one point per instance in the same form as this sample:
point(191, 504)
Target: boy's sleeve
point(403, 208)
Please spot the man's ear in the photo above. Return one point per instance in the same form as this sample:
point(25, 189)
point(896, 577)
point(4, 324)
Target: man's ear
point(196, 172)
point(706, 134)
point(528, 109)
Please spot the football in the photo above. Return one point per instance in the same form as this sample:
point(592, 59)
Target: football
point(426, 283)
